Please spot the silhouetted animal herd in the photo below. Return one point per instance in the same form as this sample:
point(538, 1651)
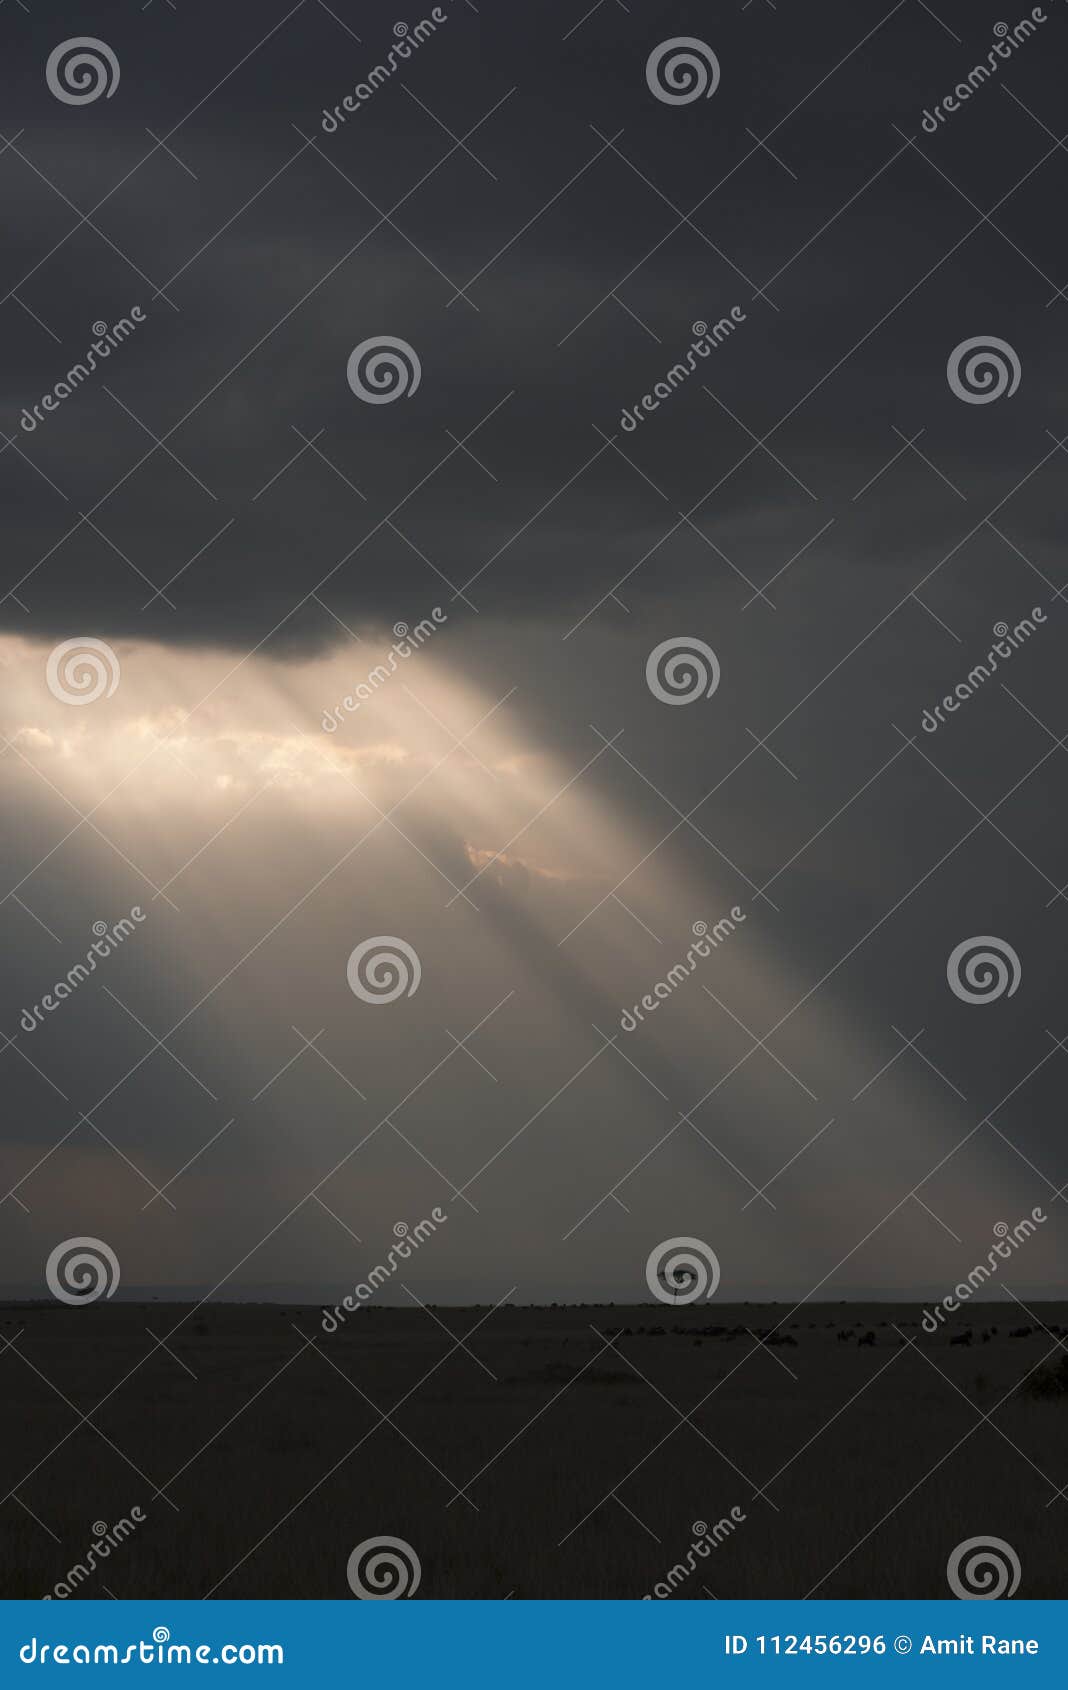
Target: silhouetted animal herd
point(855, 1334)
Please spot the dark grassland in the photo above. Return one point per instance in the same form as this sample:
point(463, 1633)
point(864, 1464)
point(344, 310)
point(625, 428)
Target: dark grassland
point(876, 1447)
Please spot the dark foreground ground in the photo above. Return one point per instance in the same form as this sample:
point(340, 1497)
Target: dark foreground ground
point(529, 1458)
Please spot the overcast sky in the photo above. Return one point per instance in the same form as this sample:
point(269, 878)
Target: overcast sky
point(814, 503)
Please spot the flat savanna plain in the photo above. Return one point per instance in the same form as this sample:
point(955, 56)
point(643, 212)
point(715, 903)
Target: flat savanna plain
point(531, 1452)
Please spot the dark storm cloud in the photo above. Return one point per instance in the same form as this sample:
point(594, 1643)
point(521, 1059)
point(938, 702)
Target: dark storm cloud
point(859, 267)
point(276, 280)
